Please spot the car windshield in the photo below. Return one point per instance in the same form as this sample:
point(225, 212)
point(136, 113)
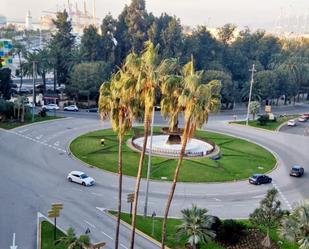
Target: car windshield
point(295, 169)
point(83, 176)
point(255, 176)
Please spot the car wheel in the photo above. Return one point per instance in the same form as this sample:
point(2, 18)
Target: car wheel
point(70, 179)
point(83, 183)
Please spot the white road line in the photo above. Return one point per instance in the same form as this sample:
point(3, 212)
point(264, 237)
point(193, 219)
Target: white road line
point(282, 196)
point(39, 137)
point(258, 197)
point(122, 245)
point(216, 199)
point(107, 235)
point(78, 189)
point(96, 194)
point(57, 143)
point(93, 226)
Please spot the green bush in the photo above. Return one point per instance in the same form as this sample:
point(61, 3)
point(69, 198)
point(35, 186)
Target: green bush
point(6, 109)
point(263, 119)
point(230, 232)
point(42, 113)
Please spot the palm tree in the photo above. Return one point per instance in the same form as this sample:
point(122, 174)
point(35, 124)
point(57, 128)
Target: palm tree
point(196, 226)
point(19, 49)
point(197, 101)
point(295, 227)
point(118, 103)
point(147, 84)
point(72, 242)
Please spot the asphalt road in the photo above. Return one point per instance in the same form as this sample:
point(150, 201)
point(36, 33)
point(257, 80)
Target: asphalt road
point(35, 161)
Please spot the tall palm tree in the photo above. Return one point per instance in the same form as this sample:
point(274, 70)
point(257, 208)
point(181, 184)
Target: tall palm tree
point(72, 242)
point(197, 100)
point(146, 87)
point(117, 102)
point(295, 227)
point(196, 226)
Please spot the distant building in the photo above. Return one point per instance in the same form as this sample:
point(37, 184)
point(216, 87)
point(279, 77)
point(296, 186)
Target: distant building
point(28, 21)
point(6, 52)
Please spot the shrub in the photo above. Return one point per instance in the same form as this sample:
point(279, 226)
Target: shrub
point(263, 119)
point(42, 113)
point(230, 232)
point(6, 109)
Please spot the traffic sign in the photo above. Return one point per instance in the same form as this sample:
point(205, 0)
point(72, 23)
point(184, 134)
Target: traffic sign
point(130, 198)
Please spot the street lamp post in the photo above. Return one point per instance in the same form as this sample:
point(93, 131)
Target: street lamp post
point(250, 92)
point(149, 164)
point(33, 92)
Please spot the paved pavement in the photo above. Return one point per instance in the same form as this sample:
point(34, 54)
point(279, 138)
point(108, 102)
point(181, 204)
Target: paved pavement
point(35, 162)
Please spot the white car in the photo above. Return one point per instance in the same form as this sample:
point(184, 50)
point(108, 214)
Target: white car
point(72, 108)
point(50, 107)
point(292, 122)
point(302, 119)
point(81, 178)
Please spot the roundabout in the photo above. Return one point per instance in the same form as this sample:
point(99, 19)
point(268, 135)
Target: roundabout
point(210, 157)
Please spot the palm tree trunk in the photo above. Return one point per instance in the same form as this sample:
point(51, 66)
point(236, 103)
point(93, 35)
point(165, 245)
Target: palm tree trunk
point(119, 182)
point(22, 118)
point(20, 72)
point(44, 81)
point(172, 191)
point(138, 179)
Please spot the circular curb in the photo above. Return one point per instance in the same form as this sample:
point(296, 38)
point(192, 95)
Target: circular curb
point(166, 181)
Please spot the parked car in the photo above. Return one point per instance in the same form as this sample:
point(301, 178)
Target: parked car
point(291, 122)
point(302, 119)
point(81, 178)
point(30, 104)
point(72, 108)
point(258, 179)
point(306, 115)
point(297, 170)
point(50, 107)
point(93, 110)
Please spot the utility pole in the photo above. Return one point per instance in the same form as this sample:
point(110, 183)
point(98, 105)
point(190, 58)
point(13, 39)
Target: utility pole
point(149, 164)
point(33, 92)
point(250, 92)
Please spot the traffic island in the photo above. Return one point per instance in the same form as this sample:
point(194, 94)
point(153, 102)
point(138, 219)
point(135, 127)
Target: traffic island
point(238, 158)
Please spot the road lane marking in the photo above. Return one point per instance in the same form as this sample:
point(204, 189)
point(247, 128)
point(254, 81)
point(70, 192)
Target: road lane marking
point(282, 196)
point(39, 137)
point(122, 245)
point(93, 226)
point(57, 143)
point(107, 235)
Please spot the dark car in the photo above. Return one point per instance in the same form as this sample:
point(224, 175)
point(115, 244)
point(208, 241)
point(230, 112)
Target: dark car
point(258, 179)
point(297, 171)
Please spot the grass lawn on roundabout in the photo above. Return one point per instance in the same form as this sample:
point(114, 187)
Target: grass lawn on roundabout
point(240, 158)
point(47, 236)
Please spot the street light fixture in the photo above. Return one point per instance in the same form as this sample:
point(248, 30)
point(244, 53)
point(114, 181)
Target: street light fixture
point(250, 92)
point(149, 164)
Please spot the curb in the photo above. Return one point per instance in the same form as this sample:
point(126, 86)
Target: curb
point(69, 152)
point(40, 122)
point(252, 127)
point(136, 230)
point(280, 126)
point(40, 218)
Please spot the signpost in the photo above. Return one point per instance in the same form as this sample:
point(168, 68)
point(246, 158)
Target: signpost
point(130, 199)
point(54, 213)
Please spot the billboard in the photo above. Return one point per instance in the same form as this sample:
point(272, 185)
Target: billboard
point(6, 52)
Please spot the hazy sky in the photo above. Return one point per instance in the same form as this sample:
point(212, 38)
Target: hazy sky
point(214, 13)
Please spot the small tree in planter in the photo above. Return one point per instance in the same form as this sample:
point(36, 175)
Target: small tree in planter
point(254, 108)
point(268, 214)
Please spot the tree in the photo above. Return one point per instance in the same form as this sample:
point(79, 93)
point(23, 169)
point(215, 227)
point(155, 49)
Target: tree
point(196, 226)
point(118, 102)
point(86, 78)
point(268, 214)
point(197, 100)
point(91, 45)
point(19, 49)
point(295, 226)
point(148, 81)
point(226, 33)
point(137, 23)
point(61, 46)
point(254, 108)
point(72, 242)
point(5, 83)
point(108, 40)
